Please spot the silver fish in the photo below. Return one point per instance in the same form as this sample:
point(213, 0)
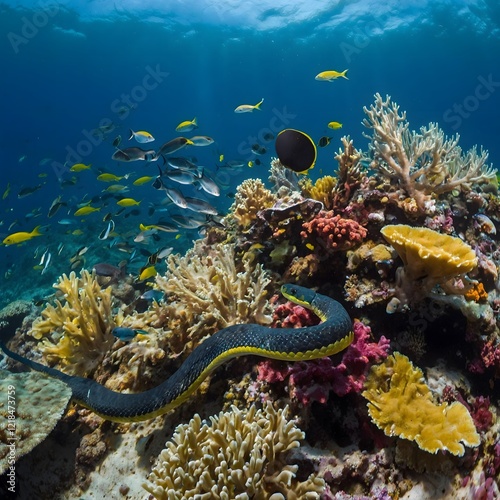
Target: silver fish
point(181, 176)
point(197, 205)
point(134, 154)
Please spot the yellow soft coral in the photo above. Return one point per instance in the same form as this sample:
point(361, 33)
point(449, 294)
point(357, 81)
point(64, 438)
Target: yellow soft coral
point(400, 403)
point(76, 334)
point(251, 197)
point(321, 190)
point(239, 454)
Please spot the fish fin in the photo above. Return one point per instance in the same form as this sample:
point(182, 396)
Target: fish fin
point(131, 135)
point(257, 106)
point(36, 231)
point(343, 74)
point(195, 122)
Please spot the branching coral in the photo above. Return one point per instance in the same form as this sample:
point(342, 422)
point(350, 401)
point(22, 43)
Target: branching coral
point(238, 455)
point(76, 335)
point(424, 164)
point(400, 403)
point(251, 196)
point(429, 258)
point(331, 233)
point(216, 290)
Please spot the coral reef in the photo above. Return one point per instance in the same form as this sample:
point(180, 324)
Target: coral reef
point(425, 164)
point(400, 403)
point(12, 315)
point(76, 335)
point(30, 408)
point(239, 454)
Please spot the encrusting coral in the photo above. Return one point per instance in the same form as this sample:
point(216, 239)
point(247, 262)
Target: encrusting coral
point(429, 258)
point(400, 403)
point(39, 403)
point(424, 164)
point(238, 455)
point(76, 335)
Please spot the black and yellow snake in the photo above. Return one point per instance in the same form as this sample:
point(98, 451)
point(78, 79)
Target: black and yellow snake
point(291, 344)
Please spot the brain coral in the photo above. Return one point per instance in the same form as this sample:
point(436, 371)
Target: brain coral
point(400, 403)
point(76, 335)
point(37, 402)
point(238, 455)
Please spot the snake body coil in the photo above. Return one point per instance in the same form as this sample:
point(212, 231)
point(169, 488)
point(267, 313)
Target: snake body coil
point(291, 344)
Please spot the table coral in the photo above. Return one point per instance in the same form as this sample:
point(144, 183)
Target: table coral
point(37, 403)
point(401, 404)
point(330, 233)
point(76, 335)
point(238, 454)
point(429, 258)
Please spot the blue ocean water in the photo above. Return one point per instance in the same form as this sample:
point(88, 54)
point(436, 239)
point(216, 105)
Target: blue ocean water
point(70, 67)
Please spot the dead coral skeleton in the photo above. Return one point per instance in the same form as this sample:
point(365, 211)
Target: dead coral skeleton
point(424, 164)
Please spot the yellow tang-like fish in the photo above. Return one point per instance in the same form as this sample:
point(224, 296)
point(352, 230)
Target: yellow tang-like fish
point(16, 238)
point(147, 273)
point(127, 202)
point(78, 167)
point(335, 125)
point(187, 126)
point(87, 209)
point(329, 76)
point(248, 108)
point(142, 180)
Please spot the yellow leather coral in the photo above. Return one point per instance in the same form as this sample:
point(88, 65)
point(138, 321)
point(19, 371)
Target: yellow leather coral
point(427, 253)
point(321, 190)
point(400, 403)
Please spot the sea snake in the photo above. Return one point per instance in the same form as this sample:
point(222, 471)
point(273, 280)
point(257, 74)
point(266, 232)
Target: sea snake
point(330, 336)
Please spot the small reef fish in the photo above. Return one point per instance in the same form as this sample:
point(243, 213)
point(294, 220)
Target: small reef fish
point(47, 262)
point(107, 177)
point(22, 158)
point(116, 188)
point(324, 141)
point(127, 334)
point(127, 202)
point(335, 125)
point(152, 295)
point(187, 222)
point(175, 196)
point(86, 210)
point(142, 180)
point(248, 108)
point(117, 141)
point(28, 190)
point(77, 232)
point(181, 176)
point(181, 163)
point(134, 154)
point(202, 206)
point(6, 192)
point(173, 146)
point(146, 273)
point(329, 76)
point(105, 232)
point(187, 126)
point(141, 136)
point(78, 167)
point(66, 222)
point(108, 270)
point(208, 184)
point(258, 149)
point(55, 206)
point(201, 140)
point(22, 236)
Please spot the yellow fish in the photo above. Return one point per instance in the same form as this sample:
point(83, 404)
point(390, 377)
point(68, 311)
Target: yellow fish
point(109, 177)
point(147, 273)
point(142, 180)
point(6, 192)
point(141, 136)
point(329, 76)
point(221, 158)
point(77, 232)
point(335, 125)
point(87, 209)
point(248, 108)
point(78, 167)
point(187, 126)
point(127, 202)
point(16, 238)
point(43, 174)
point(116, 188)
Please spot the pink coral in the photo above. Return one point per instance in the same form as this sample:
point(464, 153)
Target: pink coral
point(313, 380)
point(332, 232)
point(290, 315)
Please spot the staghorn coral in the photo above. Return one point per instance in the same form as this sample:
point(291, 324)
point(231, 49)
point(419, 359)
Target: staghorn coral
point(331, 233)
point(216, 290)
point(429, 258)
point(251, 197)
point(239, 454)
point(424, 164)
point(400, 403)
point(30, 408)
point(76, 335)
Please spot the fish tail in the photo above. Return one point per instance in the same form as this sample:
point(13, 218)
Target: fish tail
point(257, 106)
point(343, 74)
point(36, 231)
point(132, 133)
point(195, 122)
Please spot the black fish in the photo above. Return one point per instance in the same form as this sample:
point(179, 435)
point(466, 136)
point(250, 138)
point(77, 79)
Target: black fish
point(324, 141)
point(295, 150)
point(28, 190)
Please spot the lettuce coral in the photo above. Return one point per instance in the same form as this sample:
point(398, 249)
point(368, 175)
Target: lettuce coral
point(239, 454)
point(76, 335)
point(400, 403)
